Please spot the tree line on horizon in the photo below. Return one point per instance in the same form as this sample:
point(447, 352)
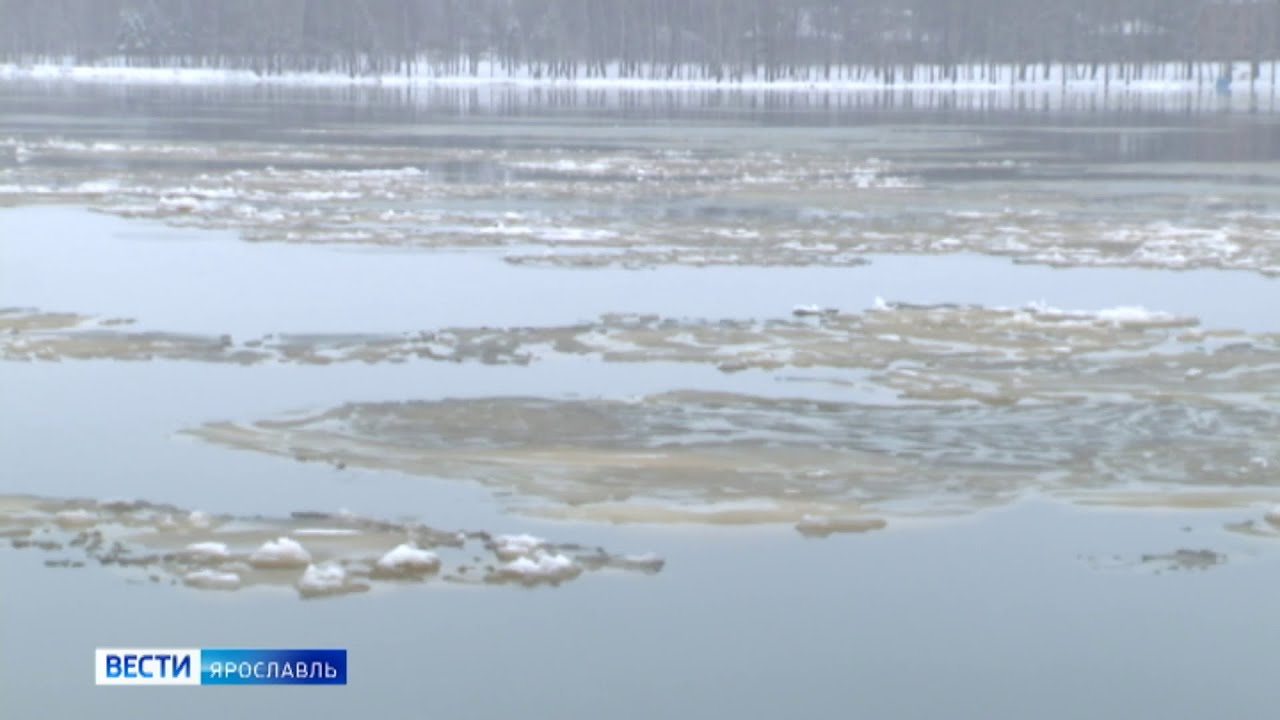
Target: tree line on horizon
point(710, 39)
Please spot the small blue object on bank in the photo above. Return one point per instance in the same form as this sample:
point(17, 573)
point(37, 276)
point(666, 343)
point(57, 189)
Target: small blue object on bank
point(220, 666)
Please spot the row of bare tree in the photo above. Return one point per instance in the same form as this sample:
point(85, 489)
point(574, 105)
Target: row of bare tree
point(720, 39)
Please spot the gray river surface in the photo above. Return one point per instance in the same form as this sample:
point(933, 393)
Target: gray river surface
point(940, 408)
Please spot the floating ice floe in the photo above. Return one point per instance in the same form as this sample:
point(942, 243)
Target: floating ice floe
point(327, 579)
point(326, 532)
point(280, 553)
point(1273, 515)
point(1180, 560)
point(212, 580)
point(154, 540)
point(98, 186)
point(186, 521)
point(510, 547)
point(645, 562)
point(811, 310)
point(822, 526)
point(1121, 316)
point(406, 561)
point(1133, 314)
point(182, 203)
point(540, 567)
point(208, 550)
point(76, 518)
point(199, 519)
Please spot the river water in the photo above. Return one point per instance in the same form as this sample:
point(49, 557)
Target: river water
point(940, 406)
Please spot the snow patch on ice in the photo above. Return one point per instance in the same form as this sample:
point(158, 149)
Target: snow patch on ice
point(280, 553)
point(1273, 515)
point(1132, 314)
point(406, 561)
point(812, 310)
point(510, 547)
point(540, 567)
point(822, 526)
point(326, 532)
point(647, 562)
point(208, 550)
point(1125, 315)
point(75, 518)
point(199, 519)
point(211, 580)
point(327, 579)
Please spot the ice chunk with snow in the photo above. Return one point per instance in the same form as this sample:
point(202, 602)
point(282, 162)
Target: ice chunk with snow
point(208, 550)
point(510, 547)
point(644, 562)
point(98, 187)
point(822, 526)
point(1134, 315)
point(406, 561)
point(1123, 316)
point(538, 567)
point(327, 579)
point(268, 552)
point(326, 532)
point(322, 578)
point(211, 580)
point(1273, 515)
point(77, 518)
point(280, 553)
point(181, 203)
point(811, 310)
point(199, 519)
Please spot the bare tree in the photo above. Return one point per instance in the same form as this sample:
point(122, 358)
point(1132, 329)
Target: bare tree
point(934, 40)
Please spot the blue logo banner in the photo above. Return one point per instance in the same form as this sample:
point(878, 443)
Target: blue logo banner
point(241, 666)
point(220, 666)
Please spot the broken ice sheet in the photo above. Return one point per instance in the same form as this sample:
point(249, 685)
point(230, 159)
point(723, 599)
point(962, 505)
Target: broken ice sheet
point(317, 554)
point(994, 355)
point(1179, 560)
point(716, 458)
point(802, 206)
